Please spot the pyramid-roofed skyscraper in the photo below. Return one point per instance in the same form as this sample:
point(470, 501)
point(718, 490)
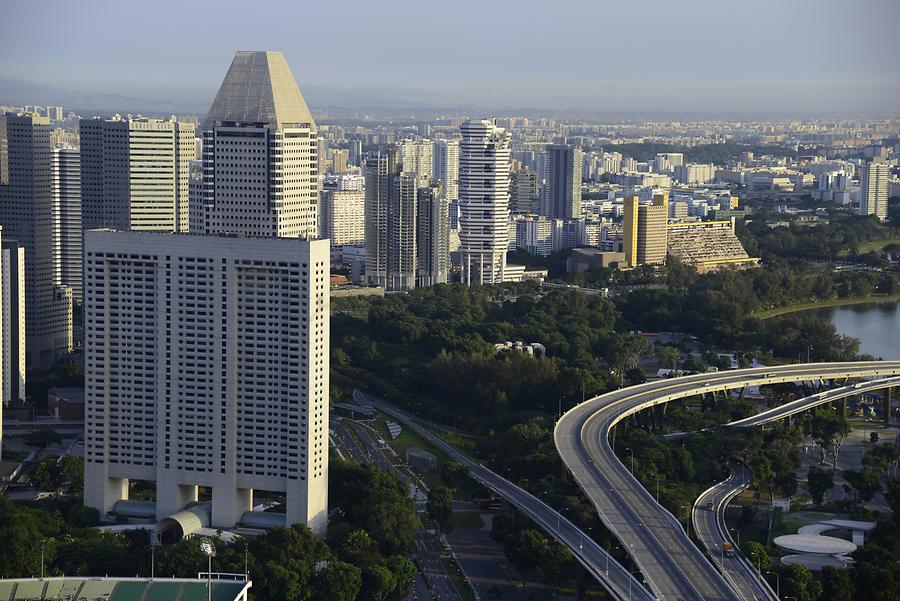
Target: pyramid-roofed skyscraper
point(260, 155)
point(259, 88)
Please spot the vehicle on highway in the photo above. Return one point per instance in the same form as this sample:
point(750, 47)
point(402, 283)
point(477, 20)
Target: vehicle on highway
point(710, 506)
point(727, 549)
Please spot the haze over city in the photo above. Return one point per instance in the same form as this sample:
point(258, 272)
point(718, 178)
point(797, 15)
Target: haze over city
point(697, 57)
point(450, 301)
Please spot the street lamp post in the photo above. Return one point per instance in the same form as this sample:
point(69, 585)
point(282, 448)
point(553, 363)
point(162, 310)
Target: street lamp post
point(777, 584)
point(209, 549)
point(737, 531)
point(687, 520)
point(44, 541)
point(632, 460)
point(154, 542)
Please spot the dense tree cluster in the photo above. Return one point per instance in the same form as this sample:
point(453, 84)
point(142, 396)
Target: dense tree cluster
point(832, 241)
point(433, 348)
point(719, 308)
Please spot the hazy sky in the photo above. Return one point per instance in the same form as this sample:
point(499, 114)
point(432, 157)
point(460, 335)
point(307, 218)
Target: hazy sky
point(715, 56)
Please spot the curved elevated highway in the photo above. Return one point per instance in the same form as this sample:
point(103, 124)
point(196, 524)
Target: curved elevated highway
point(652, 535)
point(710, 528)
point(801, 405)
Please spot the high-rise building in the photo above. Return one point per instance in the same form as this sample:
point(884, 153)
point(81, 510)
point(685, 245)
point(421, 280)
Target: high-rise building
point(667, 161)
point(534, 235)
point(644, 230)
point(483, 201)
point(432, 238)
point(260, 153)
point(343, 217)
point(402, 213)
point(26, 212)
point(873, 194)
point(446, 168)
point(135, 173)
point(562, 188)
point(523, 192)
point(66, 174)
point(418, 158)
point(207, 365)
point(382, 167)
point(13, 320)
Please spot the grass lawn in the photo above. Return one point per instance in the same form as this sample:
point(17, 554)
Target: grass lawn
point(876, 245)
point(467, 520)
point(834, 302)
point(409, 439)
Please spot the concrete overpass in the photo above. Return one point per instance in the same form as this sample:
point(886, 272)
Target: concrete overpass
point(806, 403)
point(652, 535)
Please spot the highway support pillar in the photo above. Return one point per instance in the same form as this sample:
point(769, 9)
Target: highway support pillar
point(741, 395)
point(845, 407)
point(887, 406)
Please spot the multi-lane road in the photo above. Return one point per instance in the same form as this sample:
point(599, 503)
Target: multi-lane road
point(617, 579)
point(653, 537)
point(437, 583)
point(708, 519)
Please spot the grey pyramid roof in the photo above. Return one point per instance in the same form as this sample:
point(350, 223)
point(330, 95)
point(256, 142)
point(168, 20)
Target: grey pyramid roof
point(259, 87)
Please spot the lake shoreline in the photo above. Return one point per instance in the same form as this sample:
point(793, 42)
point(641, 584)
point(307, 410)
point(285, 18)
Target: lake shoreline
point(835, 302)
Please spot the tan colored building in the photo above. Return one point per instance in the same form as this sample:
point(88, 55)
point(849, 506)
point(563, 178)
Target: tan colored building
point(645, 232)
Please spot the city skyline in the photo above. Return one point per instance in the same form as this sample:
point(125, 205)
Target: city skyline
point(697, 57)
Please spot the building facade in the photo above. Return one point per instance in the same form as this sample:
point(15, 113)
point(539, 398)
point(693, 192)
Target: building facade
point(207, 365)
point(68, 232)
point(445, 171)
point(873, 193)
point(343, 217)
point(644, 230)
point(260, 154)
point(26, 213)
point(432, 238)
point(135, 173)
point(13, 320)
point(483, 201)
point(382, 167)
point(562, 188)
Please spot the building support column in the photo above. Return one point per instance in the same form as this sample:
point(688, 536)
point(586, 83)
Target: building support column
point(100, 491)
point(229, 505)
point(172, 497)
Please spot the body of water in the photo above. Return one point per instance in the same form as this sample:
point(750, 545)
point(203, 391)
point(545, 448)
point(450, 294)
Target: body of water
point(877, 325)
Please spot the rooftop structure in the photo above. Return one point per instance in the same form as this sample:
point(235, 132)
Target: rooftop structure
point(259, 88)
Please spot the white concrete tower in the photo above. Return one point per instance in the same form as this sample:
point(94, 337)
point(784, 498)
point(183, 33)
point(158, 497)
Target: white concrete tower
point(207, 365)
point(483, 202)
